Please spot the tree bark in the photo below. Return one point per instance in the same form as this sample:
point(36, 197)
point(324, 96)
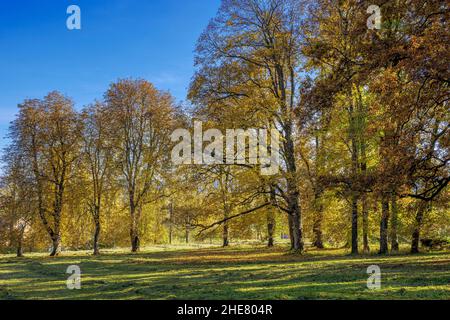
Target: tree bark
point(418, 226)
point(56, 244)
point(134, 232)
point(365, 214)
point(225, 235)
point(317, 227)
point(270, 229)
point(170, 222)
point(384, 224)
point(20, 242)
point(97, 237)
point(354, 188)
point(291, 234)
point(394, 224)
point(354, 224)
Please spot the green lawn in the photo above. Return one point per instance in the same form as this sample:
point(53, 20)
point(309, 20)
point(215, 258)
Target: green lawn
point(233, 273)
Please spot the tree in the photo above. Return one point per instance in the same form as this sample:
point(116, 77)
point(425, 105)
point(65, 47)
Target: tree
point(258, 41)
point(141, 119)
point(98, 156)
point(48, 134)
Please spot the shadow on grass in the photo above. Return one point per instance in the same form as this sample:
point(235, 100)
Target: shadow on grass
point(232, 273)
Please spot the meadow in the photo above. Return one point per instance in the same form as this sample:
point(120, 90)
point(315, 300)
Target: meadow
point(243, 272)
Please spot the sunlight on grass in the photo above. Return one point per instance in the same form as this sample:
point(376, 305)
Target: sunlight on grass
point(232, 273)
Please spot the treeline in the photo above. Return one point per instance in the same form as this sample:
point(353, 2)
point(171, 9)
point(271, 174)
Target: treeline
point(362, 114)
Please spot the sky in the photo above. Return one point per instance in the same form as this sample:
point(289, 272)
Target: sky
point(150, 39)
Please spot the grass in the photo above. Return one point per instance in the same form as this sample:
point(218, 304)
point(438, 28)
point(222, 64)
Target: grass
point(234, 273)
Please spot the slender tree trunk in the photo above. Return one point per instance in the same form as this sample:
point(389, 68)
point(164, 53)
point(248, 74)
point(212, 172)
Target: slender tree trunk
point(186, 235)
point(270, 229)
point(354, 224)
point(20, 242)
point(353, 132)
point(271, 217)
point(11, 234)
point(394, 224)
point(384, 224)
point(97, 237)
point(418, 226)
point(318, 220)
point(170, 222)
point(364, 203)
point(365, 214)
point(293, 192)
point(225, 235)
point(134, 232)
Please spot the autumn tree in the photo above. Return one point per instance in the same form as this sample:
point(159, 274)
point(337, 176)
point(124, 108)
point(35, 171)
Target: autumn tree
point(141, 119)
point(97, 155)
point(47, 132)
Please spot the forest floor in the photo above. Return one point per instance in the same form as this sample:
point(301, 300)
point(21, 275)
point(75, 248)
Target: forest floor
point(242, 272)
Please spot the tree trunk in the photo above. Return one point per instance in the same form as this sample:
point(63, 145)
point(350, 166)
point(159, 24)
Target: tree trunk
point(394, 224)
point(365, 214)
point(317, 229)
point(56, 244)
point(225, 235)
point(384, 224)
point(354, 224)
point(19, 250)
point(20, 242)
point(170, 222)
point(134, 229)
point(418, 225)
point(135, 243)
point(293, 192)
point(186, 235)
point(297, 233)
point(97, 237)
point(270, 229)
point(318, 219)
point(291, 234)
point(295, 213)
point(364, 204)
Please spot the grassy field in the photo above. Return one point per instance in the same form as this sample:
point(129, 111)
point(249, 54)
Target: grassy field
point(233, 273)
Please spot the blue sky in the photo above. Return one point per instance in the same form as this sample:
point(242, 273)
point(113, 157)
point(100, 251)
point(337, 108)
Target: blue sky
point(151, 39)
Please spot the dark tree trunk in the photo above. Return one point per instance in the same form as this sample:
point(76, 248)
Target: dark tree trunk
point(134, 229)
point(318, 220)
point(135, 243)
point(19, 250)
point(295, 213)
point(354, 224)
point(186, 235)
point(170, 222)
point(384, 224)
point(365, 214)
point(293, 192)
point(317, 229)
point(418, 225)
point(225, 235)
point(297, 232)
point(56, 245)
point(97, 238)
point(291, 234)
point(270, 229)
point(364, 204)
point(394, 224)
